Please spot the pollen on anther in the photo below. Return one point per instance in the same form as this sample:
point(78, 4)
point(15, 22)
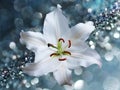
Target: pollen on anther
point(49, 44)
point(69, 43)
point(54, 54)
point(61, 39)
point(62, 59)
point(67, 52)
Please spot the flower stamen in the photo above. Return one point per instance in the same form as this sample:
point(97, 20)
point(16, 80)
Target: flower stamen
point(61, 39)
point(62, 59)
point(69, 43)
point(54, 54)
point(66, 53)
point(60, 51)
point(51, 45)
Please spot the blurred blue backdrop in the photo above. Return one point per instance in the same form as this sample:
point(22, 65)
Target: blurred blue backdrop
point(17, 15)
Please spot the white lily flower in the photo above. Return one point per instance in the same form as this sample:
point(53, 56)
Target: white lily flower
point(60, 48)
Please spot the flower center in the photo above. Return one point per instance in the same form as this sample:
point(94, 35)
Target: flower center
point(60, 50)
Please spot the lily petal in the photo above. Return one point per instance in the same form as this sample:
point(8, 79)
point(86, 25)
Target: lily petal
point(41, 54)
point(82, 30)
point(63, 76)
point(42, 68)
point(73, 62)
point(55, 26)
point(33, 40)
point(77, 46)
point(94, 54)
point(85, 60)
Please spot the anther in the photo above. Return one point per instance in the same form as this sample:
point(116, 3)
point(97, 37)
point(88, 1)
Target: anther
point(69, 43)
point(54, 54)
point(66, 52)
point(50, 45)
point(62, 59)
point(61, 39)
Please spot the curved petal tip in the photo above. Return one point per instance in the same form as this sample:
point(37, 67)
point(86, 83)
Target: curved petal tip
point(63, 76)
point(90, 23)
point(59, 6)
